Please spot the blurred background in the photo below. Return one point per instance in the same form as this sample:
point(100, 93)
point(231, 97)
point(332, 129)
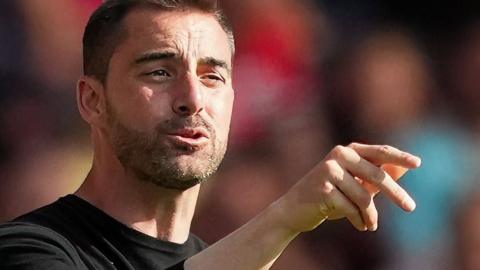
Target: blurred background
point(309, 74)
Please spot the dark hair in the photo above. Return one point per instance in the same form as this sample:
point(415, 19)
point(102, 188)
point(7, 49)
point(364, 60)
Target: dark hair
point(105, 31)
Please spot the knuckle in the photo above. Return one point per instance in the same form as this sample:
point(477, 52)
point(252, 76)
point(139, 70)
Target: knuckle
point(364, 199)
point(341, 152)
point(378, 175)
point(336, 177)
point(327, 189)
point(333, 170)
point(385, 150)
point(330, 166)
point(337, 151)
point(353, 145)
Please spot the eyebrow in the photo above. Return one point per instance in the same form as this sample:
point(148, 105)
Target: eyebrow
point(214, 62)
point(154, 56)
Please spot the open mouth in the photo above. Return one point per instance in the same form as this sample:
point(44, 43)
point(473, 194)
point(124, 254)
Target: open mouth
point(194, 138)
point(192, 133)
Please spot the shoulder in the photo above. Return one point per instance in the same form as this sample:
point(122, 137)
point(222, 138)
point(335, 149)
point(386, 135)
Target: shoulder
point(32, 246)
point(22, 232)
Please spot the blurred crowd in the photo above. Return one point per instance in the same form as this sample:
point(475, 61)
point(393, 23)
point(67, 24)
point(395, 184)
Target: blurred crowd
point(308, 74)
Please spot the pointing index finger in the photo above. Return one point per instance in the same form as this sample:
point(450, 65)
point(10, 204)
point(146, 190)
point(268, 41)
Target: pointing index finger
point(370, 169)
point(383, 154)
point(375, 178)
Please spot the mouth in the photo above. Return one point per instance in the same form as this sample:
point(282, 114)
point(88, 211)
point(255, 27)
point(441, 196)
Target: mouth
point(192, 138)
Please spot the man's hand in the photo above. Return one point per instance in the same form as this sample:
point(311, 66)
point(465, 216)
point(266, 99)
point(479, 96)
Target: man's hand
point(344, 185)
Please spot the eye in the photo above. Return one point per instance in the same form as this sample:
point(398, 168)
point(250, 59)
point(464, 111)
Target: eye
point(158, 73)
point(212, 79)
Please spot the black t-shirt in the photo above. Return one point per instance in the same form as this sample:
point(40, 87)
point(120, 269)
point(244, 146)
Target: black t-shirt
point(73, 234)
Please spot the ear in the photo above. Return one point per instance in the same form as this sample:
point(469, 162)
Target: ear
point(91, 100)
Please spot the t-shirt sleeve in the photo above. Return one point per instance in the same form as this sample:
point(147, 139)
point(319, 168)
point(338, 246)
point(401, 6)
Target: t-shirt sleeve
point(25, 246)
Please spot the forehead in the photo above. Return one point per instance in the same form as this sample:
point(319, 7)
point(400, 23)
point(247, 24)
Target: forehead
point(188, 32)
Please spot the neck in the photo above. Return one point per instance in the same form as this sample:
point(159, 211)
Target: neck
point(158, 212)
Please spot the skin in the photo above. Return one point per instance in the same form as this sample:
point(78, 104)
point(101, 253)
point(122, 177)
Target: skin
point(145, 93)
point(331, 190)
point(342, 185)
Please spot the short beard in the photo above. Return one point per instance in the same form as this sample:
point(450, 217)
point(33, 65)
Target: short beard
point(152, 160)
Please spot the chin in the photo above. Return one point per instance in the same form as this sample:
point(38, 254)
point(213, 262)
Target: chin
point(179, 180)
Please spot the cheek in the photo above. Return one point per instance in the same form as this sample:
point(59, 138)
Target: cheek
point(160, 105)
point(220, 110)
point(140, 107)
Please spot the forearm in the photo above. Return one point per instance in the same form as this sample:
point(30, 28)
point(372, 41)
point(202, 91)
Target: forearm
point(342, 185)
point(256, 245)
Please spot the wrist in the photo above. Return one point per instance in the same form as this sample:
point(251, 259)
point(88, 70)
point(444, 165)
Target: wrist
point(296, 217)
point(280, 216)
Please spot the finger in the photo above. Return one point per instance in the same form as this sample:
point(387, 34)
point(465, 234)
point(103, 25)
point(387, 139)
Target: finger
point(341, 206)
point(365, 170)
point(373, 190)
point(382, 154)
point(363, 200)
point(370, 216)
point(353, 190)
point(348, 185)
point(356, 192)
point(396, 172)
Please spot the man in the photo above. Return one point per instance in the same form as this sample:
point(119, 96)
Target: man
point(157, 94)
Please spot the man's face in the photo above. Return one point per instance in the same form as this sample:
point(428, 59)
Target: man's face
point(169, 97)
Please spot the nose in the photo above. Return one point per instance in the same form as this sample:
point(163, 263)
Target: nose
point(189, 97)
